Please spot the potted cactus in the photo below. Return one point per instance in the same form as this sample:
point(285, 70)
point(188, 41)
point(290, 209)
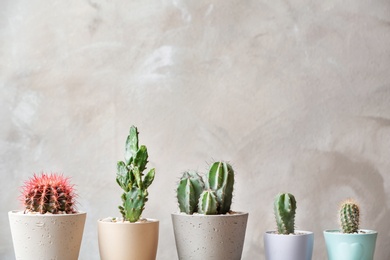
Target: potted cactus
point(350, 242)
point(130, 236)
point(206, 228)
point(286, 242)
point(49, 227)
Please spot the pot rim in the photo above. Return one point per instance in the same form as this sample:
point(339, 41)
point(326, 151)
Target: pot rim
point(302, 233)
point(235, 214)
point(338, 232)
point(148, 221)
point(37, 215)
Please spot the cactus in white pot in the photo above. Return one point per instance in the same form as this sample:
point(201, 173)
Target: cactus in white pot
point(49, 227)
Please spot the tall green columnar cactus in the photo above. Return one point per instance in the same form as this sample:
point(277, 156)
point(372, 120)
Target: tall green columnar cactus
point(349, 217)
point(284, 207)
point(131, 179)
point(190, 187)
point(220, 178)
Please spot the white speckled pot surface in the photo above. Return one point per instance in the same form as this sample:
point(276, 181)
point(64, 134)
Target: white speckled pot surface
point(217, 237)
point(51, 237)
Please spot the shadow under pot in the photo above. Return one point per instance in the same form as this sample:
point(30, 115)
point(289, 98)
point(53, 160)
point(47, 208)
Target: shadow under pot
point(341, 246)
point(297, 246)
point(217, 237)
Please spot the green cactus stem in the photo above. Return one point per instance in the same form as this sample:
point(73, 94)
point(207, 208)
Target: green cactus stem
point(349, 217)
point(50, 193)
point(190, 187)
point(131, 179)
point(285, 207)
point(208, 203)
point(220, 178)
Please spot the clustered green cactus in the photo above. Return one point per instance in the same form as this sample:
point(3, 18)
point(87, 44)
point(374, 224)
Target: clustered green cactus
point(349, 217)
point(210, 197)
point(49, 193)
point(131, 179)
point(285, 207)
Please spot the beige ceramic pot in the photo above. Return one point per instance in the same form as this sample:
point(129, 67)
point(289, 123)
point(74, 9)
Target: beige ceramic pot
point(127, 241)
point(46, 236)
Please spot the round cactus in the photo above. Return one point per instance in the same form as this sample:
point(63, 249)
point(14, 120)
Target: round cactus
point(349, 217)
point(48, 193)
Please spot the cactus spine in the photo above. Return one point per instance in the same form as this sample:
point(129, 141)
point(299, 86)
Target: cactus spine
point(349, 217)
point(212, 196)
point(284, 207)
point(50, 193)
point(131, 179)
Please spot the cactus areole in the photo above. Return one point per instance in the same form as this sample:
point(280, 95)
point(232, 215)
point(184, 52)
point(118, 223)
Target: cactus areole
point(211, 196)
point(131, 178)
point(48, 193)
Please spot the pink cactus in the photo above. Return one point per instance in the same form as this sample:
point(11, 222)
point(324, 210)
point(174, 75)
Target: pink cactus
point(48, 193)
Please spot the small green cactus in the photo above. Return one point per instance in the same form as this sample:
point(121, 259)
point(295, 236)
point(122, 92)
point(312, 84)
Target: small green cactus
point(284, 207)
point(131, 179)
point(210, 197)
point(349, 216)
point(190, 187)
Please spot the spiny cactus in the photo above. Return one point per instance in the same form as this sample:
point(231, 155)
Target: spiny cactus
point(131, 179)
point(284, 207)
point(212, 196)
point(50, 193)
point(208, 203)
point(349, 216)
point(221, 179)
point(190, 187)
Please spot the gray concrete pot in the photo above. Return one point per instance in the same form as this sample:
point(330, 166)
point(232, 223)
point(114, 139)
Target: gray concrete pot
point(125, 240)
point(47, 236)
point(217, 237)
point(291, 247)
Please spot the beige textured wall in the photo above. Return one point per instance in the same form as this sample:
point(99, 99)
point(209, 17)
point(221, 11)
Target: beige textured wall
point(295, 94)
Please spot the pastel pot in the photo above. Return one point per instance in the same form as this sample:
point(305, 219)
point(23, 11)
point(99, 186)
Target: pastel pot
point(292, 247)
point(358, 246)
point(46, 236)
point(125, 240)
point(217, 237)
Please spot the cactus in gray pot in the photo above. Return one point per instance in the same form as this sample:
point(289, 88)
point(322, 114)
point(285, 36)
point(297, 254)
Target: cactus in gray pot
point(349, 217)
point(284, 208)
point(190, 187)
point(131, 179)
point(210, 196)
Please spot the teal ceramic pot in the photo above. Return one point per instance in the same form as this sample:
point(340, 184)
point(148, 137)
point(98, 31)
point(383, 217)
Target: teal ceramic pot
point(358, 246)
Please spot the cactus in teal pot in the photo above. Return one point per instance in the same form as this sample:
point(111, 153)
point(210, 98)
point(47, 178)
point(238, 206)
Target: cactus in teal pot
point(284, 208)
point(131, 178)
point(349, 217)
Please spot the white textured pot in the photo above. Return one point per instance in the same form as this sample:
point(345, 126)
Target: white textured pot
point(216, 237)
point(125, 240)
point(291, 247)
point(47, 236)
